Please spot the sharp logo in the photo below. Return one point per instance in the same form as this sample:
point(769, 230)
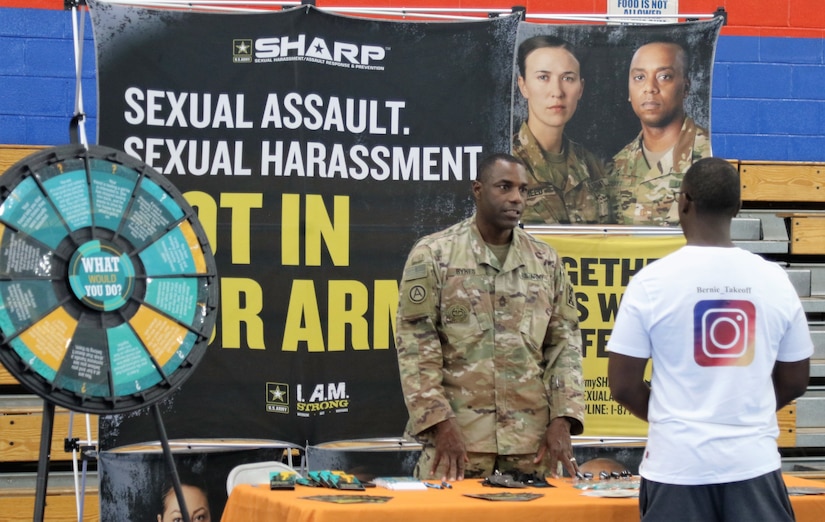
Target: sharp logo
point(323, 398)
point(317, 49)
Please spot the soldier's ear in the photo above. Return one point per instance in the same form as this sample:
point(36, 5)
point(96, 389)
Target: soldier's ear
point(521, 87)
point(475, 188)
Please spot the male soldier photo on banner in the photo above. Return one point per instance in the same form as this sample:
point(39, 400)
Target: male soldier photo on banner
point(609, 117)
point(650, 168)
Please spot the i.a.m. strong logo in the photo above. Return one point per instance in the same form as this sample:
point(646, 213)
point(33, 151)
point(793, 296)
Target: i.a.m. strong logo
point(321, 399)
point(306, 48)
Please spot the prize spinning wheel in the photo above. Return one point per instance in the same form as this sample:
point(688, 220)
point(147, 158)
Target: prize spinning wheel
point(107, 281)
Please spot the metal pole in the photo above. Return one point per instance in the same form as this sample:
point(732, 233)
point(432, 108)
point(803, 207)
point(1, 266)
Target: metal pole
point(170, 462)
point(43, 462)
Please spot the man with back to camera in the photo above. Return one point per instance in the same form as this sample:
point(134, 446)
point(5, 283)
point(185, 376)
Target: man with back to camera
point(489, 347)
point(649, 168)
point(730, 346)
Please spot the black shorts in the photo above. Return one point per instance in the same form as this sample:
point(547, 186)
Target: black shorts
point(758, 499)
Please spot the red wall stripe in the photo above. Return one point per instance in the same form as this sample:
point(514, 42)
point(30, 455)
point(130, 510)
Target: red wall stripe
point(791, 18)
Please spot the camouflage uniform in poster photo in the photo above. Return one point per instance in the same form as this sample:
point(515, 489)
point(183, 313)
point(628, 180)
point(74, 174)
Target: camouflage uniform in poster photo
point(648, 170)
point(584, 196)
point(566, 183)
point(495, 345)
point(645, 194)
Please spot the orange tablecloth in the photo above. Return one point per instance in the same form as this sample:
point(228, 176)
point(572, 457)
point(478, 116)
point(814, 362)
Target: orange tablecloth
point(563, 502)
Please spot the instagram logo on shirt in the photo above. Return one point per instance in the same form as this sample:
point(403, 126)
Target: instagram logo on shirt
point(723, 332)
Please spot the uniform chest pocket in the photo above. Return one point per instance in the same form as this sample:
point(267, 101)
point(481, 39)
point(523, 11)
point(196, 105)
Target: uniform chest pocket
point(465, 309)
point(535, 315)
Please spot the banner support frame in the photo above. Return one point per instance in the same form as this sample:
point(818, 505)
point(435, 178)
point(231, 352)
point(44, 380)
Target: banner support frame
point(422, 12)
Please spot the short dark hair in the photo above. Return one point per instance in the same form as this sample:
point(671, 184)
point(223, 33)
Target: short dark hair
point(485, 168)
point(714, 187)
point(671, 41)
point(539, 42)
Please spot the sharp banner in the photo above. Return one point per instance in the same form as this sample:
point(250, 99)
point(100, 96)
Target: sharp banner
point(316, 148)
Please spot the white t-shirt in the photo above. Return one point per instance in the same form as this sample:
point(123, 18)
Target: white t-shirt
point(714, 320)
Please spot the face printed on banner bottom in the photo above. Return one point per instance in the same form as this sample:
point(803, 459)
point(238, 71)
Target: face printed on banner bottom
point(195, 500)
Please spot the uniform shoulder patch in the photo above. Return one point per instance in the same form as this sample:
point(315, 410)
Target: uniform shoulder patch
point(417, 271)
point(417, 294)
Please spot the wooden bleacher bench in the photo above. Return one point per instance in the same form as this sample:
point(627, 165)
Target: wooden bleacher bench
point(792, 182)
point(6, 377)
point(786, 418)
point(806, 231)
point(11, 154)
point(17, 504)
point(21, 418)
point(798, 185)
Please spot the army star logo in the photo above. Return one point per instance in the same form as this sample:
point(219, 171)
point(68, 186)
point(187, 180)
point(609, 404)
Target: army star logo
point(417, 294)
point(242, 47)
point(277, 394)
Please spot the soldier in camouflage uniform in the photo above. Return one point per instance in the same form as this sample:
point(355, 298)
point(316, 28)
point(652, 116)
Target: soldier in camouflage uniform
point(567, 183)
point(489, 347)
point(572, 188)
point(649, 169)
point(645, 194)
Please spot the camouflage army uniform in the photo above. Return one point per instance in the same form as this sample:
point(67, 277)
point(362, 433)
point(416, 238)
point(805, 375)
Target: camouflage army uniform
point(644, 194)
point(497, 347)
point(582, 198)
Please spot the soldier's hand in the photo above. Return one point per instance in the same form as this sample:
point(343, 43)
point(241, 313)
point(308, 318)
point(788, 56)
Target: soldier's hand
point(559, 447)
point(449, 450)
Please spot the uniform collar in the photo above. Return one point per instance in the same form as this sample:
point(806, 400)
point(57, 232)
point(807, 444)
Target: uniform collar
point(484, 256)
